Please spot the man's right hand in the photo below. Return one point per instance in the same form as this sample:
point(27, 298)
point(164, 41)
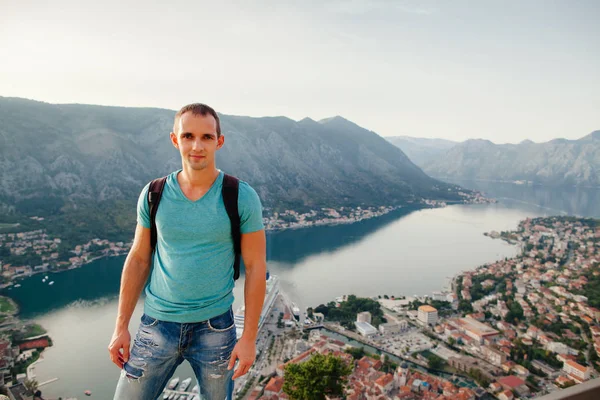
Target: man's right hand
point(121, 339)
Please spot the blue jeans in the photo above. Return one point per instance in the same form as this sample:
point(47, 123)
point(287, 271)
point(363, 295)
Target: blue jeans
point(160, 346)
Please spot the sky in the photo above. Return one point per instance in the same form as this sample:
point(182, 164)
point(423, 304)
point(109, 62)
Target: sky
point(505, 71)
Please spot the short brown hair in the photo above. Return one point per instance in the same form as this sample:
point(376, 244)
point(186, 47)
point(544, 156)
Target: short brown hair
point(198, 109)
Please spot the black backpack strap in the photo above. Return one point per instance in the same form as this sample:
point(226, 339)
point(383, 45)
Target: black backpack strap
point(154, 194)
point(231, 186)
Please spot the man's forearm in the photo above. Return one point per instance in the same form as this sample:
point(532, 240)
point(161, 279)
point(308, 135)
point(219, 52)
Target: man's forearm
point(254, 297)
point(134, 277)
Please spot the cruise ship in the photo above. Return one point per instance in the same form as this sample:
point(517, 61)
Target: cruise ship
point(296, 311)
point(270, 296)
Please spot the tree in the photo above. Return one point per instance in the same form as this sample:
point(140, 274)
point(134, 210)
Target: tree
point(515, 313)
point(528, 247)
point(356, 353)
point(323, 309)
point(347, 311)
point(479, 377)
point(465, 306)
point(389, 366)
point(316, 378)
point(435, 362)
point(31, 385)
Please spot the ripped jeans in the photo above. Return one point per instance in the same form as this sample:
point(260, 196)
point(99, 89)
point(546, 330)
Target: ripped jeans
point(160, 346)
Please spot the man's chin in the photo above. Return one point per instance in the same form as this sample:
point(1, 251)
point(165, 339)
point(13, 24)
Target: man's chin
point(198, 166)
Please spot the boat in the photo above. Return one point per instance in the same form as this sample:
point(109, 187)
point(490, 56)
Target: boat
point(51, 283)
point(184, 385)
point(270, 296)
point(17, 285)
point(172, 384)
point(296, 311)
point(196, 389)
point(88, 392)
point(172, 396)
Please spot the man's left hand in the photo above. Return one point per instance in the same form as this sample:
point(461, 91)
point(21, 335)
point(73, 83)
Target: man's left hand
point(245, 351)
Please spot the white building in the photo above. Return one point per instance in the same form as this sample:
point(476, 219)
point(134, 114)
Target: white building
point(439, 296)
point(428, 315)
point(576, 371)
point(400, 377)
point(363, 317)
point(520, 285)
point(475, 329)
point(392, 327)
point(453, 300)
point(560, 348)
point(494, 356)
point(365, 328)
point(412, 314)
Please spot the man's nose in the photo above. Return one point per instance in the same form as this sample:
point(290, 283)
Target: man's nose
point(198, 145)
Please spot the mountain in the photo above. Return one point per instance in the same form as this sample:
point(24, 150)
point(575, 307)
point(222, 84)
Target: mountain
point(557, 162)
point(421, 150)
point(66, 159)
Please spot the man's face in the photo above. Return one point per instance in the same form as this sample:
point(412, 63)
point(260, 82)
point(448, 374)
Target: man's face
point(195, 136)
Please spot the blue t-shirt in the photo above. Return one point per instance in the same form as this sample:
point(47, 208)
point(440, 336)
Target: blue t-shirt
point(192, 271)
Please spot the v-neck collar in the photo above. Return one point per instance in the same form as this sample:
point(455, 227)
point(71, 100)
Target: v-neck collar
point(180, 191)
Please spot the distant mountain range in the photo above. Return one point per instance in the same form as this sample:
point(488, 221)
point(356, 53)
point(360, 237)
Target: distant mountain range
point(63, 158)
point(421, 150)
point(557, 162)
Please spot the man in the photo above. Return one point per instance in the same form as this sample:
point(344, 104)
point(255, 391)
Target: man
point(187, 310)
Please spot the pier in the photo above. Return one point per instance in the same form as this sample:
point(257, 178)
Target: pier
point(47, 382)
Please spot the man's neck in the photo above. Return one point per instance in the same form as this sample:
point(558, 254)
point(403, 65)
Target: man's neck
point(198, 178)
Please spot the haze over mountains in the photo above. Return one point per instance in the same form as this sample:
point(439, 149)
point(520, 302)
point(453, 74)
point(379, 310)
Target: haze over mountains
point(421, 150)
point(54, 156)
point(557, 162)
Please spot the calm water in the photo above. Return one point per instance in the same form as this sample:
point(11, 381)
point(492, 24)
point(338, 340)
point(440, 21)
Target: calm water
point(400, 253)
point(583, 202)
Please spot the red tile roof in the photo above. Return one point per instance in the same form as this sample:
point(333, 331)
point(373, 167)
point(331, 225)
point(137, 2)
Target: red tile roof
point(34, 344)
point(275, 384)
point(385, 380)
point(577, 366)
point(511, 381)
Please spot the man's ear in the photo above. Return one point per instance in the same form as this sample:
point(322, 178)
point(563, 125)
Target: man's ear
point(220, 142)
point(173, 137)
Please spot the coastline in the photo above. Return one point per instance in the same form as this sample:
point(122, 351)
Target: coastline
point(16, 280)
point(10, 330)
point(21, 242)
point(308, 224)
